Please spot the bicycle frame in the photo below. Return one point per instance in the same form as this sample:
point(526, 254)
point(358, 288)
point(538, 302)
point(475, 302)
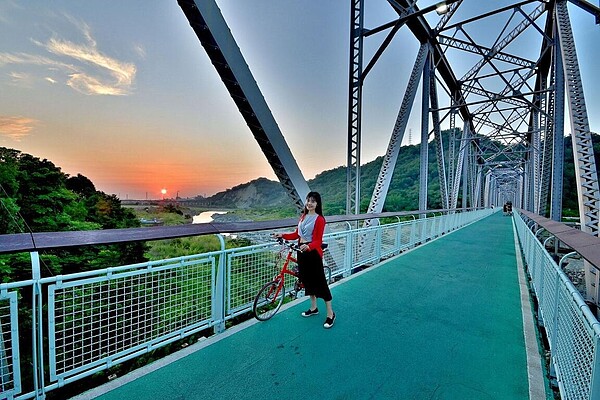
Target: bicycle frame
point(291, 248)
point(270, 297)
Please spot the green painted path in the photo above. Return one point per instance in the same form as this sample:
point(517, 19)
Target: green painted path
point(443, 321)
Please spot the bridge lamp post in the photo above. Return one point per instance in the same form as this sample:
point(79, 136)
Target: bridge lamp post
point(441, 8)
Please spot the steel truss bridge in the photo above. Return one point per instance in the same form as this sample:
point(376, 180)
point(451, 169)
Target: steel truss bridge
point(505, 111)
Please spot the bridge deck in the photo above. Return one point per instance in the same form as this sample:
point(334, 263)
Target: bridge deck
point(443, 321)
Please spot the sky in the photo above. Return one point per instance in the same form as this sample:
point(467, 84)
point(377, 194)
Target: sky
point(124, 94)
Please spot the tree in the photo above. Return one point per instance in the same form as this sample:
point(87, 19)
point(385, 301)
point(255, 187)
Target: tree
point(37, 196)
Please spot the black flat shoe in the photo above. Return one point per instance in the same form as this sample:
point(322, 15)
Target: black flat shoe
point(309, 312)
point(329, 322)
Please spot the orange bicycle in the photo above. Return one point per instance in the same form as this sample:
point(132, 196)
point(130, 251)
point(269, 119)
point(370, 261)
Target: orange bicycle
point(270, 297)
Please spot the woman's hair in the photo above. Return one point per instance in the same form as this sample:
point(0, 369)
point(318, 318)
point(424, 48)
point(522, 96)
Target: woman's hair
point(316, 197)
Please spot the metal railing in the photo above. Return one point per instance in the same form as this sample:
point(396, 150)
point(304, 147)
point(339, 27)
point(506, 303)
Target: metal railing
point(89, 321)
point(572, 330)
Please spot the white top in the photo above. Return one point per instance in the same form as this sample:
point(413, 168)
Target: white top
point(306, 227)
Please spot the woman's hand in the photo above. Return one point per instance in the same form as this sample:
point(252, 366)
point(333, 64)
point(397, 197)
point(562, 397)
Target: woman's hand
point(276, 235)
point(304, 247)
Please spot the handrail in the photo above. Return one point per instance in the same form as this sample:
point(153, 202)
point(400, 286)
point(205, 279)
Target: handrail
point(219, 287)
point(24, 242)
point(588, 246)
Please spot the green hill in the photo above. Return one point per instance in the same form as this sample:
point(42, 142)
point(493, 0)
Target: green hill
point(403, 193)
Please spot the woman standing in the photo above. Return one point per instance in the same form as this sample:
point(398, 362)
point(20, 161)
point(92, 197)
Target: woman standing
point(309, 234)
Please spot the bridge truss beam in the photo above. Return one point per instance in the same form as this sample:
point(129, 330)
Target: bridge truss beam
point(209, 25)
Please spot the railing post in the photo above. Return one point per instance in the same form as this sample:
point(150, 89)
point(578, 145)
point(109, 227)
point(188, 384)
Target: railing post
point(218, 303)
point(595, 383)
point(413, 234)
point(378, 242)
point(37, 328)
point(349, 256)
point(398, 235)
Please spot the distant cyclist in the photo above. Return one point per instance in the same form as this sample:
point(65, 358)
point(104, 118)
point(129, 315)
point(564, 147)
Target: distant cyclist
point(507, 208)
point(309, 234)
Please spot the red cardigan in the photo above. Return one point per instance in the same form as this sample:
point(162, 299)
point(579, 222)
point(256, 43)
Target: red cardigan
point(317, 236)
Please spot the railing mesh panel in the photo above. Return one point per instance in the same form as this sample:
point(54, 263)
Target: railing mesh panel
point(389, 244)
point(363, 246)
point(334, 255)
point(96, 319)
point(248, 271)
point(570, 333)
point(574, 349)
point(406, 235)
point(7, 368)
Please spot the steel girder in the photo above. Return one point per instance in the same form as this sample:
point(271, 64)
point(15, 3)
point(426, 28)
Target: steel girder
point(558, 124)
point(499, 131)
point(409, 14)
point(583, 151)
point(391, 156)
point(439, 144)
point(424, 161)
point(354, 108)
point(516, 90)
point(509, 125)
point(205, 18)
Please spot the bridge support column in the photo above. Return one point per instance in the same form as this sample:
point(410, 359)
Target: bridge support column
point(558, 112)
point(218, 301)
point(424, 135)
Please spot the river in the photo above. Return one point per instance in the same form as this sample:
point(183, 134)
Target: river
point(206, 217)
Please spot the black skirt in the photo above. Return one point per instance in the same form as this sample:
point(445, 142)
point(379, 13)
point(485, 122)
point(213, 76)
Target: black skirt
point(310, 269)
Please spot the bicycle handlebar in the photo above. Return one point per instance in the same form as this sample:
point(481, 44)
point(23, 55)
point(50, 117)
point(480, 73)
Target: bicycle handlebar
point(295, 246)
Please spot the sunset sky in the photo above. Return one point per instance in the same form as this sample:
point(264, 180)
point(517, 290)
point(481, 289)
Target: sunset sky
point(123, 92)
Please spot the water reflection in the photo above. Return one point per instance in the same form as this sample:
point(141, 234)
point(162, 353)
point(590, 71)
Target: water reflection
point(206, 217)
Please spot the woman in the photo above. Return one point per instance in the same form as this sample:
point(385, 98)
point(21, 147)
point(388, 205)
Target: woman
point(309, 234)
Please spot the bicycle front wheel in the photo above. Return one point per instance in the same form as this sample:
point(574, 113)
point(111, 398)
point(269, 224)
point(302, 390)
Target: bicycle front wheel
point(268, 300)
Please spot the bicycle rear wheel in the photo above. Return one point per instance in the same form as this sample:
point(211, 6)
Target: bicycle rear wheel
point(327, 271)
point(268, 300)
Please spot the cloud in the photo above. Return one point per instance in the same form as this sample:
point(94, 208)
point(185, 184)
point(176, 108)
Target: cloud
point(30, 59)
point(21, 78)
point(120, 74)
point(85, 68)
point(16, 128)
point(140, 50)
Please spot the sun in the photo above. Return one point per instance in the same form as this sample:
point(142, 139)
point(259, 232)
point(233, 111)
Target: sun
point(163, 191)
